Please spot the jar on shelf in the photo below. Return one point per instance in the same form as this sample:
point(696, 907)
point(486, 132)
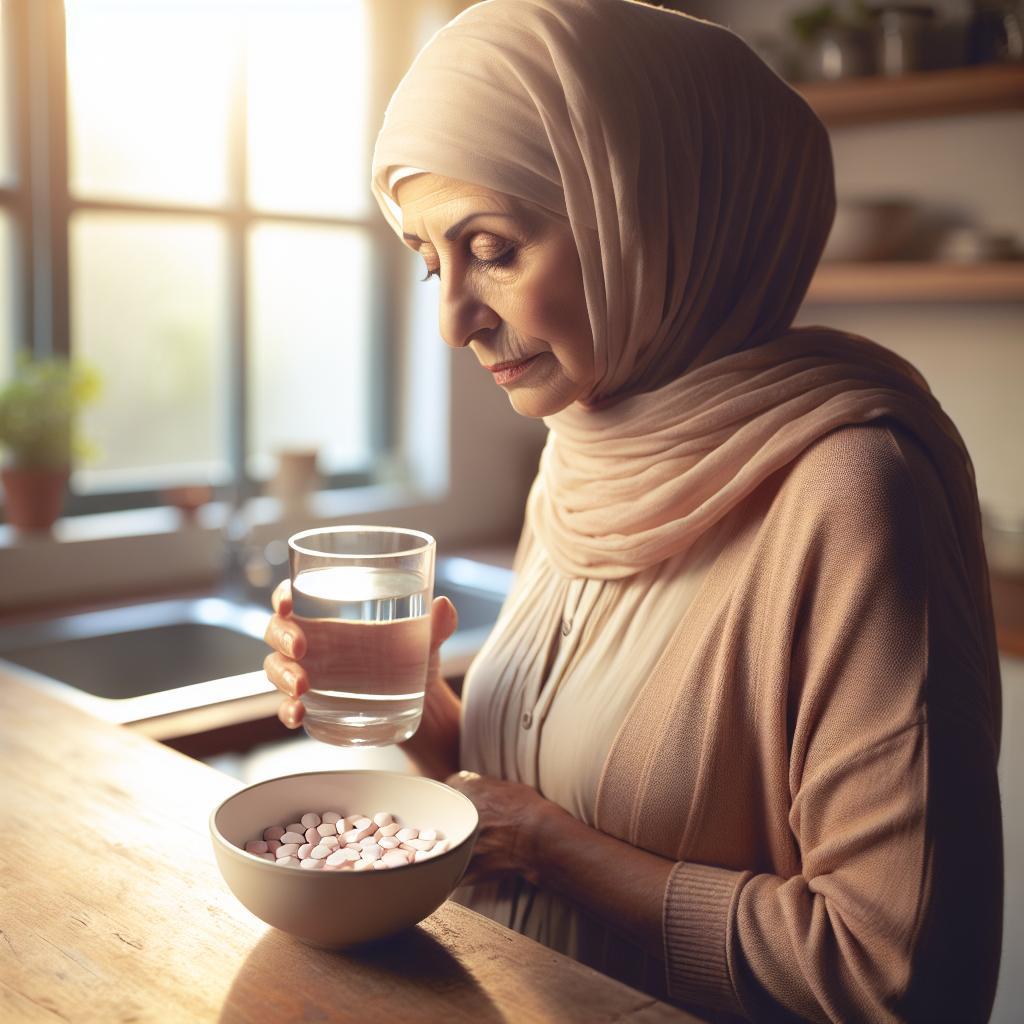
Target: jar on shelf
point(995, 32)
point(903, 35)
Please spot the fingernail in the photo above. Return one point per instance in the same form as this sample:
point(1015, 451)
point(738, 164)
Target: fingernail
point(291, 679)
point(288, 643)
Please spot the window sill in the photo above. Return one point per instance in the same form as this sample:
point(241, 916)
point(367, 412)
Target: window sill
point(102, 556)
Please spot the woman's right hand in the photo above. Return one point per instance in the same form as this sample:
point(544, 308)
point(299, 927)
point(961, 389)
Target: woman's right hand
point(284, 666)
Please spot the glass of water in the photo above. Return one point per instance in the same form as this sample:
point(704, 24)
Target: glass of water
point(362, 595)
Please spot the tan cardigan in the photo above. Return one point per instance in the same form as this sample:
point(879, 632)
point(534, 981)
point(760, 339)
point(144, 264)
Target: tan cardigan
point(817, 749)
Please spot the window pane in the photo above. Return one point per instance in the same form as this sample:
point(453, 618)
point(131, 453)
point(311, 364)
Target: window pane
point(7, 169)
point(310, 368)
point(307, 96)
point(149, 91)
point(148, 311)
point(8, 289)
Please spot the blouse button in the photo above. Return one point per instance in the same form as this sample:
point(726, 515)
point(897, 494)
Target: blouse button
point(566, 626)
point(527, 719)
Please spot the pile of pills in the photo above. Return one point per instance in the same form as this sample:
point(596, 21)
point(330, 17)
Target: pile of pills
point(331, 842)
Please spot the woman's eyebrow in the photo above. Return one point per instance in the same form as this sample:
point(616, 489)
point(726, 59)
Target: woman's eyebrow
point(453, 232)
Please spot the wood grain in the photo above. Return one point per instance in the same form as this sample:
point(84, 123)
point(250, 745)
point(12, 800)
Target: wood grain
point(113, 908)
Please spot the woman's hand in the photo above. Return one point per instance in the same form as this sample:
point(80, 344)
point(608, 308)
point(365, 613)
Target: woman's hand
point(284, 669)
point(513, 817)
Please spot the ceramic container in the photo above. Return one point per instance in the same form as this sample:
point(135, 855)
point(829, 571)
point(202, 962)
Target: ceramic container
point(339, 909)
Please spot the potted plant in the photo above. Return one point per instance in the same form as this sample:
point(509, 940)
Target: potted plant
point(38, 412)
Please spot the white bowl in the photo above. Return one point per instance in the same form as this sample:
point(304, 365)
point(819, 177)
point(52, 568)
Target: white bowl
point(338, 909)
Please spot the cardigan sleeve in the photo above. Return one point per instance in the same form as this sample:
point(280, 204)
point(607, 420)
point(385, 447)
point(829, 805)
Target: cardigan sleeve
point(895, 914)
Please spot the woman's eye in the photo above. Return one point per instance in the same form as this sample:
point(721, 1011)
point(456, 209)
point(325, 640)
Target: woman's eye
point(493, 256)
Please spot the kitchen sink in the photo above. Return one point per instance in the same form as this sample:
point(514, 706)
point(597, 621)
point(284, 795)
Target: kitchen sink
point(155, 658)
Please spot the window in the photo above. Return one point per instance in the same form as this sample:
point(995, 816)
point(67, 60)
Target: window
point(200, 228)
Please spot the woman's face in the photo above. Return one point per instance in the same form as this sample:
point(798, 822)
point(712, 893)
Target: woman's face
point(511, 288)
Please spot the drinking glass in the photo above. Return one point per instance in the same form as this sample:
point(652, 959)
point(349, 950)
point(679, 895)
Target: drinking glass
point(362, 595)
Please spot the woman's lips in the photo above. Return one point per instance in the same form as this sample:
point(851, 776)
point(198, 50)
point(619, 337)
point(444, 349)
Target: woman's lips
point(506, 373)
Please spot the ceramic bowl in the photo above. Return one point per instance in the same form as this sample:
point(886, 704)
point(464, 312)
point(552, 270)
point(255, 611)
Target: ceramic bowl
point(339, 909)
point(870, 229)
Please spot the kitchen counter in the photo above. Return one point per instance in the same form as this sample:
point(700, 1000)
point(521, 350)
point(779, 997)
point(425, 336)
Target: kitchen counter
point(114, 910)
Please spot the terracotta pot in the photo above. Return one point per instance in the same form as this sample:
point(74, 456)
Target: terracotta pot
point(33, 498)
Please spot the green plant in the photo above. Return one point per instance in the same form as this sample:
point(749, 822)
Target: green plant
point(39, 408)
point(809, 23)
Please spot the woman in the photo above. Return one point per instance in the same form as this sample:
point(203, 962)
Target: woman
point(733, 738)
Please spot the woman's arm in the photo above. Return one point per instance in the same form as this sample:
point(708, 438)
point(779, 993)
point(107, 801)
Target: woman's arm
point(522, 832)
point(434, 748)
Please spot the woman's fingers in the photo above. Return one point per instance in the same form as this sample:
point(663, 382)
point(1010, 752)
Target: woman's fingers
point(444, 620)
point(290, 712)
point(281, 599)
point(287, 675)
point(284, 635)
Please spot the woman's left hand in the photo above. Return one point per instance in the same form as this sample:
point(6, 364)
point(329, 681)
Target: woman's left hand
point(511, 819)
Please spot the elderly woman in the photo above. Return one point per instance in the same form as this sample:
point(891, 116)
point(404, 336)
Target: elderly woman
point(734, 736)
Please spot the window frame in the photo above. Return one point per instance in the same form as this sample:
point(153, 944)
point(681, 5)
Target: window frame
point(36, 35)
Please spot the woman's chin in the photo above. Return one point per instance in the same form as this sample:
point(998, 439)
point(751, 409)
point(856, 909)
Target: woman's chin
point(536, 403)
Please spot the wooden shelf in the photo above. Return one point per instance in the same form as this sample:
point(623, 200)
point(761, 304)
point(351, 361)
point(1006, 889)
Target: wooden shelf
point(920, 94)
point(918, 282)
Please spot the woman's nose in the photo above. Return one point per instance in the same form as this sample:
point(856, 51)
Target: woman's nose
point(463, 315)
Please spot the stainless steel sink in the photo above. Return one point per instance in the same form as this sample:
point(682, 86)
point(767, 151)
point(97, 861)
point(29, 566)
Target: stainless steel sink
point(144, 660)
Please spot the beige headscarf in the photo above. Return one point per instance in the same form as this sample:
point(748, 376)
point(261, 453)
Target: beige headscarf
point(700, 190)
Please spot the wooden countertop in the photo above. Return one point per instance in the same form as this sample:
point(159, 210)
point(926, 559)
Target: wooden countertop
point(113, 908)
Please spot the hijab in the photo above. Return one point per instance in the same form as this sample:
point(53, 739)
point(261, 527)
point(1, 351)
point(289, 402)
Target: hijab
point(700, 190)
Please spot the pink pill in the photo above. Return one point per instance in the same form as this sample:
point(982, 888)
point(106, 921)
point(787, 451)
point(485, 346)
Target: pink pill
point(406, 834)
point(352, 846)
point(382, 818)
point(330, 817)
point(406, 846)
point(311, 864)
point(388, 830)
point(387, 843)
point(287, 862)
point(320, 852)
point(274, 832)
point(295, 826)
point(274, 844)
point(421, 844)
point(311, 819)
point(327, 829)
point(303, 851)
point(312, 836)
point(331, 842)
point(286, 850)
point(379, 865)
point(256, 846)
point(394, 859)
point(268, 856)
point(293, 837)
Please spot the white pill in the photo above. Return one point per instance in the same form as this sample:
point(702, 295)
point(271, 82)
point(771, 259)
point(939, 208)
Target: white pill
point(406, 834)
point(387, 843)
point(362, 822)
point(352, 846)
point(274, 832)
point(441, 846)
point(407, 846)
point(311, 819)
point(362, 865)
point(336, 859)
point(394, 859)
point(327, 829)
point(312, 836)
point(303, 851)
point(430, 833)
point(273, 845)
point(421, 844)
point(287, 850)
point(389, 830)
point(382, 818)
point(320, 852)
point(256, 846)
point(331, 842)
point(293, 837)
point(287, 862)
point(295, 826)
point(311, 863)
point(368, 841)
point(330, 817)
point(423, 855)
point(372, 852)
point(379, 865)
